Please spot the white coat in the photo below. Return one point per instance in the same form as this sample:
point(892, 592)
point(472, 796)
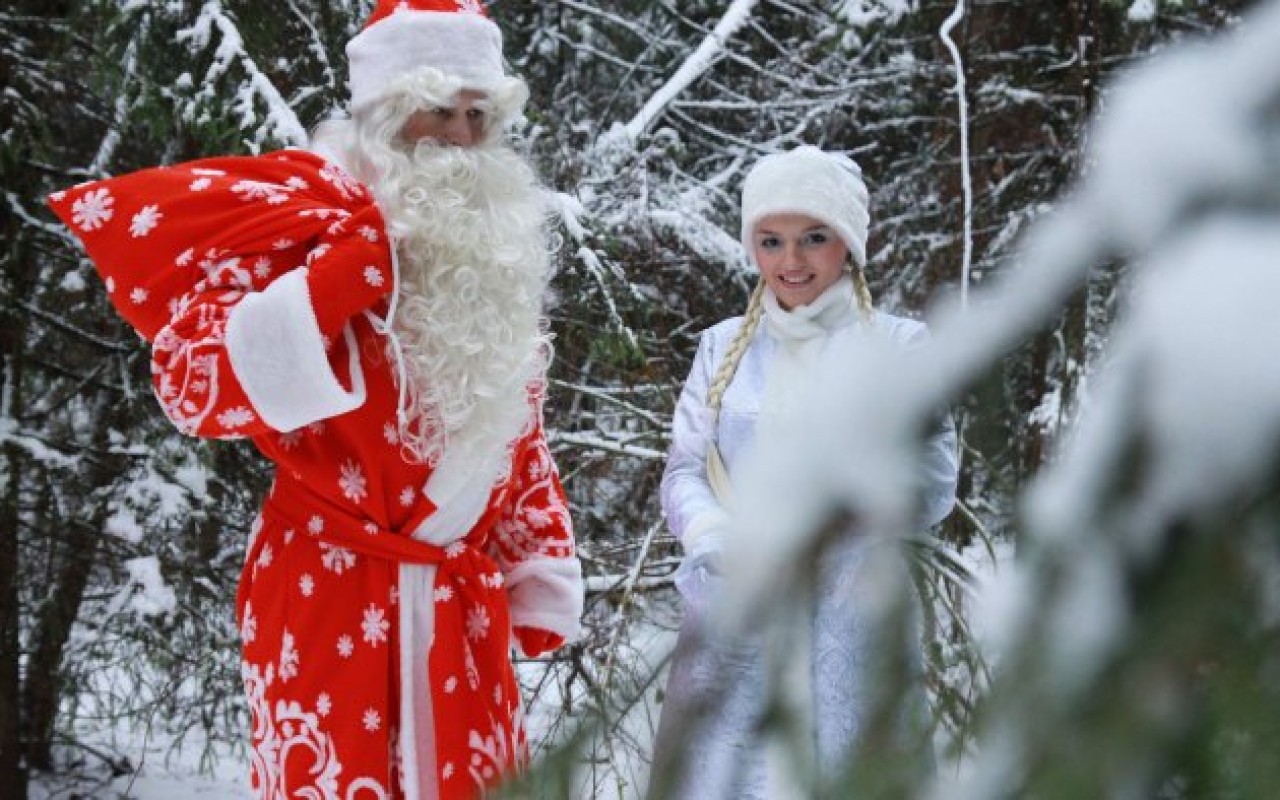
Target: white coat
point(724, 759)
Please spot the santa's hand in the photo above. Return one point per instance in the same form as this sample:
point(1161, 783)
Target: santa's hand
point(535, 641)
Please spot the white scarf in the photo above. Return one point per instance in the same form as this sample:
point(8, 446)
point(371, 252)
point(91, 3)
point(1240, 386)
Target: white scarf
point(802, 335)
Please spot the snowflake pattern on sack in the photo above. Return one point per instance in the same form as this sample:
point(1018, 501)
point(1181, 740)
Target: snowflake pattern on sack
point(92, 210)
point(145, 221)
point(251, 191)
point(347, 186)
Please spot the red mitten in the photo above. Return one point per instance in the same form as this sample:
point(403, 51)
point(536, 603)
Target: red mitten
point(534, 641)
point(350, 270)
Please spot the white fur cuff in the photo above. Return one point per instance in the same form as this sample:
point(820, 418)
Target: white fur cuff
point(703, 525)
point(547, 594)
point(278, 354)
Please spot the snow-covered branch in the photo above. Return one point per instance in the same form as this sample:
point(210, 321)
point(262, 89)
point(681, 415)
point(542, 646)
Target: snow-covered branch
point(280, 121)
point(692, 68)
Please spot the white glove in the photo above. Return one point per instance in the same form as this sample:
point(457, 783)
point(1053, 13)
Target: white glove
point(700, 573)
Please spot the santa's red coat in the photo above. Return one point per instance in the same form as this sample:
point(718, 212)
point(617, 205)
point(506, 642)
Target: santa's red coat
point(376, 618)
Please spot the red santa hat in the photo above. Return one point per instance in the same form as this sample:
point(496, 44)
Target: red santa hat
point(401, 36)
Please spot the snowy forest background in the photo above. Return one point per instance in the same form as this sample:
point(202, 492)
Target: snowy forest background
point(1114, 379)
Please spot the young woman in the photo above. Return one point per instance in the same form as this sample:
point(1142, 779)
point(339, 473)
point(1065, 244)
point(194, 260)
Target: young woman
point(804, 224)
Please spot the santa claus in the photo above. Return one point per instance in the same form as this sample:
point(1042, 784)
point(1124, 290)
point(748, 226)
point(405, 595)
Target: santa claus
point(368, 311)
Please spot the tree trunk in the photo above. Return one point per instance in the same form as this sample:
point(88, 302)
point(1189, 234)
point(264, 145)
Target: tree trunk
point(13, 773)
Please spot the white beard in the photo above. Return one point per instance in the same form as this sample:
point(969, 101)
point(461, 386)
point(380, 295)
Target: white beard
point(469, 230)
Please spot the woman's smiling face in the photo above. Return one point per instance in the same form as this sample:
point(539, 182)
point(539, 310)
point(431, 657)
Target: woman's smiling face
point(799, 257)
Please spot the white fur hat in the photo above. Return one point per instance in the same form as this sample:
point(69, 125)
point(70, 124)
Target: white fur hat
point(809, 181)
point(401, 36)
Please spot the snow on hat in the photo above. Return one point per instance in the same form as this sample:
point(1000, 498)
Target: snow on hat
point(454, 36)
point(809, 181)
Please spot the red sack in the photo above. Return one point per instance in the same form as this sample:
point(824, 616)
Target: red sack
point(237, 221)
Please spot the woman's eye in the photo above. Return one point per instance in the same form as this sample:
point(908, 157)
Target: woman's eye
point(817, 237)
point(475, 113)
point(770, 242)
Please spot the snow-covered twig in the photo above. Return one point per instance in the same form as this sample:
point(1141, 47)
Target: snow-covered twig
point(962, 112)
point(281, 121)
point(693, 67)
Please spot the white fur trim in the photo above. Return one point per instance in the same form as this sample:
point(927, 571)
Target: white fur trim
point(460, 492)
point(547, 594)
point(417, 717)
point(812, 182)
point(467, 46)
point(713, 519)
point(278, 355)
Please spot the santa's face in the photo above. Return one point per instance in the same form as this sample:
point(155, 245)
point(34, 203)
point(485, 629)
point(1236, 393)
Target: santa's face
point(461, 123)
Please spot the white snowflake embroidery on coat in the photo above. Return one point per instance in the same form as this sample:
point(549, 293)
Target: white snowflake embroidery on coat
point(352, 482)
point(315, 526)
point(470, 6)
point(369, 232)
point(236, 417)
point(375, 625)
point(184, 258)
point(262, 267)
point(451, 684)
point(324, 704)
point(307, 585)
point(477, 622)
point(138, 296)
point(200, 184)
point(145, 221)
point(489, 755)
point(92, 209)
point(288, 657)
point(447, 771)
point(443, 594)
point(373, 276)
point(296, 182)
point(406, 496)
point(282, 244)
point(346, 646)
point(372, 720)
point(469, 664)
point(455, 549)
point(336, 559)
point(286, 732)
point(390, 433)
